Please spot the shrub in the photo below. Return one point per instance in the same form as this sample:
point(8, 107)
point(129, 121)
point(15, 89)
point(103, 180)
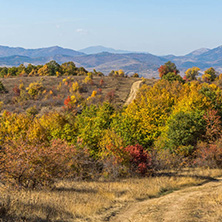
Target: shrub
point(36, 165)
point(101, 82)
point(110, 96)
point(16, 90)
point(32, 111)
point(213, 126)
point(209, 155)
point(75, 87)
point(140, 160)
point(70, 103)
point(35, 89)
point(88, 80)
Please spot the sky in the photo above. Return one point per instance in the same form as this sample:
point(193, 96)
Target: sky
point(159, 27)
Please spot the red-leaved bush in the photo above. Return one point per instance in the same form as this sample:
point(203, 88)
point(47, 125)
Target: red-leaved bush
point(140, 160)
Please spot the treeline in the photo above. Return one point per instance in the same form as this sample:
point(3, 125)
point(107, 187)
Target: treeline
point(51, 68)
point(171, 124)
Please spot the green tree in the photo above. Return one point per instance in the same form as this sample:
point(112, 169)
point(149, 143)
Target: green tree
point(183, 131)
point(53, 67)
point(171, 76)
point(92, 122)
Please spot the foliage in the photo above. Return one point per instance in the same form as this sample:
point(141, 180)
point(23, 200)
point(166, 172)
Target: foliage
point(88, 80)
point(192, 73)
point(111, 146)
point(14, 126)
point(209, 75)
point(75, 87)
point(119, 73)
point(32, 111)
point(70, 103)
point(166, 68)
point(31, 165)
point(140, 160)
point(213, 126)
point(110, 96)
point(183, 131)
point(92, 122)
point(171, 76)
point(209, 155)
point(35, 89)
point(51, 68)
point(142, 121)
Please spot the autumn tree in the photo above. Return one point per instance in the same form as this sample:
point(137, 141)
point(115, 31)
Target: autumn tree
point(29, 68)
point(166, 68)
point(44, 71)
point(209, 75)
point(69, 68)
point(192, 73)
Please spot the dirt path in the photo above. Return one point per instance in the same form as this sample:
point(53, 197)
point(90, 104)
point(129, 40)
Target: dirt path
point(133, 91)
point(192, 204)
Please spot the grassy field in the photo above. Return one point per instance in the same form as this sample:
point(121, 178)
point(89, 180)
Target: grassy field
point(56, 92)
point(95, 201)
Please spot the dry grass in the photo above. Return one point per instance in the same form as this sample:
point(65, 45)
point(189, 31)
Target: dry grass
point(121, 86)
point(206, 205)
point(95, 201)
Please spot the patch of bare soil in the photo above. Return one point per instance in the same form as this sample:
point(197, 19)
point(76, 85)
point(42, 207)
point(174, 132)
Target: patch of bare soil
point(133, 92)
point(201, 203)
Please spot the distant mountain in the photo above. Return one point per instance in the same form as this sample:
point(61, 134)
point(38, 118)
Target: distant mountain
point(100, 49)
point(34, 53)
point(197, 52)
point(14, 60)
point(202, 58)
point(130, 63)
point(211, 55)
point(145, 64)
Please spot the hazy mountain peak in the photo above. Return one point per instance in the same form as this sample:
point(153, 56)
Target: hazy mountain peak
point(100, 49)
point(198, 52)
point(40, 52)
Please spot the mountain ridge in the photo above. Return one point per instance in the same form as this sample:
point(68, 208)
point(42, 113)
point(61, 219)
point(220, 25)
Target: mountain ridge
point(145, 64)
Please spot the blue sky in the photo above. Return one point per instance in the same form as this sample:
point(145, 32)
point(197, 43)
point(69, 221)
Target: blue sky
point(156, 26)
